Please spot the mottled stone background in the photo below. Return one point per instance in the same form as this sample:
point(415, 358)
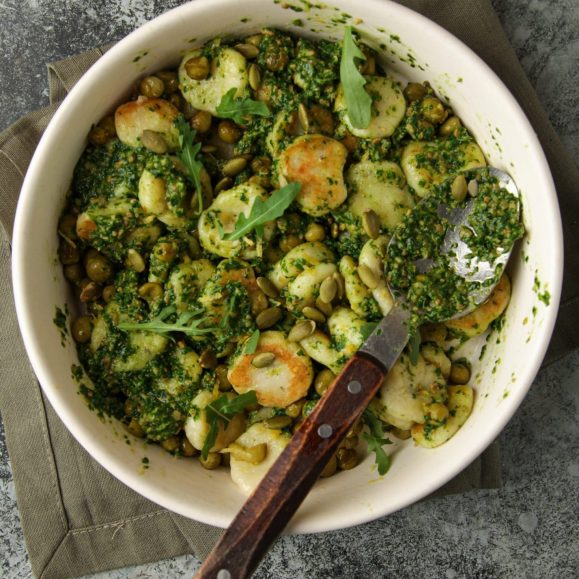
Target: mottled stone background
point(530, 528)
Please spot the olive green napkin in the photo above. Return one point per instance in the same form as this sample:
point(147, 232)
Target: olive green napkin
point(76, 517)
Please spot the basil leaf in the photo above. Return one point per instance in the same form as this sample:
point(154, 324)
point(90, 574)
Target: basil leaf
point(375, 440)
point(222, 410)
point(188, 155)
point(358, 101)
point(237, 109)
point(262, 212)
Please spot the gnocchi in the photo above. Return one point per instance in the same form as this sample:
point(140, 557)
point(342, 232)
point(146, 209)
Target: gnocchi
point(230, 243)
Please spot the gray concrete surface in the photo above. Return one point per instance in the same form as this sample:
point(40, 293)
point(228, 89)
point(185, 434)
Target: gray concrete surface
point(528, 529)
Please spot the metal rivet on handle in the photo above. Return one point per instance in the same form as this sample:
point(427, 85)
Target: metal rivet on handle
point(354, 387)
point(223, 574)
point(325, 431)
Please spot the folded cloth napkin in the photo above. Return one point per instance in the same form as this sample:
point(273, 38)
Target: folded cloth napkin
point(76, 517)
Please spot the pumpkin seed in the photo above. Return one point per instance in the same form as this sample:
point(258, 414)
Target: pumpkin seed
point(313, 314)
point(368, 277)
point(209, 149)
point(328, 290)
point(303, 117)
point(325, 308)
point(267, 287)
point(248, 50)
point(234, 166)
point(252, 454)
point(371, 223)
point(458, 188)
point(208, 359)
point(263, 360)
point(135, 261)
point(340, 283)
point(459, 373)
point(89, 291)
point(450, 126)
point(254, 75)
point(302, 330)
point(154, 141)
point(254, 39)
point(223, 185)
point(473, 188)
point(222, 380)
point(278, 422)
point(268, 318)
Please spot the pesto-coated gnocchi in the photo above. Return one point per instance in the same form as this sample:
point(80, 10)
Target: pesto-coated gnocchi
point(228, 241)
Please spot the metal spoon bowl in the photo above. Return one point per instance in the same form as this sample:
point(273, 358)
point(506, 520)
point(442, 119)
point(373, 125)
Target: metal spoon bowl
point(458, 252)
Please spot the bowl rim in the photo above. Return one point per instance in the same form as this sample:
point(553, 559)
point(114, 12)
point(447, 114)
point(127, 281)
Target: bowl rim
point(34, 348)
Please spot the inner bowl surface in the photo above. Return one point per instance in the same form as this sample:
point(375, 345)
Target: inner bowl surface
point(414, 49)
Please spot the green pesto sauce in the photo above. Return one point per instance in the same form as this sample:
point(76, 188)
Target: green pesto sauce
point(439, 293)
point(544, 296)
point(60, 321)
point(495, 221)
point(157, 395)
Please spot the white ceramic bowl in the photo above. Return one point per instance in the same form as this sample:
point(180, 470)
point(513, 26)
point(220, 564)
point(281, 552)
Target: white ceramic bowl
point(414, 48)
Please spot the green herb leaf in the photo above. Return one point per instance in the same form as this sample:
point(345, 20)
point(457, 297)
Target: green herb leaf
point(223, 409)
point(262, 212)
point(188, 155)
point(237, 108)
point(375, 440)
point(414, 346)
point(367, 329)
point(251, 344)
point(188, 323)
point(358, 101)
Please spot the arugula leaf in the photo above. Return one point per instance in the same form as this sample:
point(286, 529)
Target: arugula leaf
point(188, 155)
point(358, 101)
point(185, 323)
point(376, 441)
point(251, 344)
point(237, 108)
point(262, 212)
point(223, 409)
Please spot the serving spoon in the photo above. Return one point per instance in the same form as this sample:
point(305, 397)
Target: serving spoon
point(284, 487)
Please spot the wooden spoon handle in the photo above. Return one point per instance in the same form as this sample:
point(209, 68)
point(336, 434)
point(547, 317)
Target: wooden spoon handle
point(267, 511)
